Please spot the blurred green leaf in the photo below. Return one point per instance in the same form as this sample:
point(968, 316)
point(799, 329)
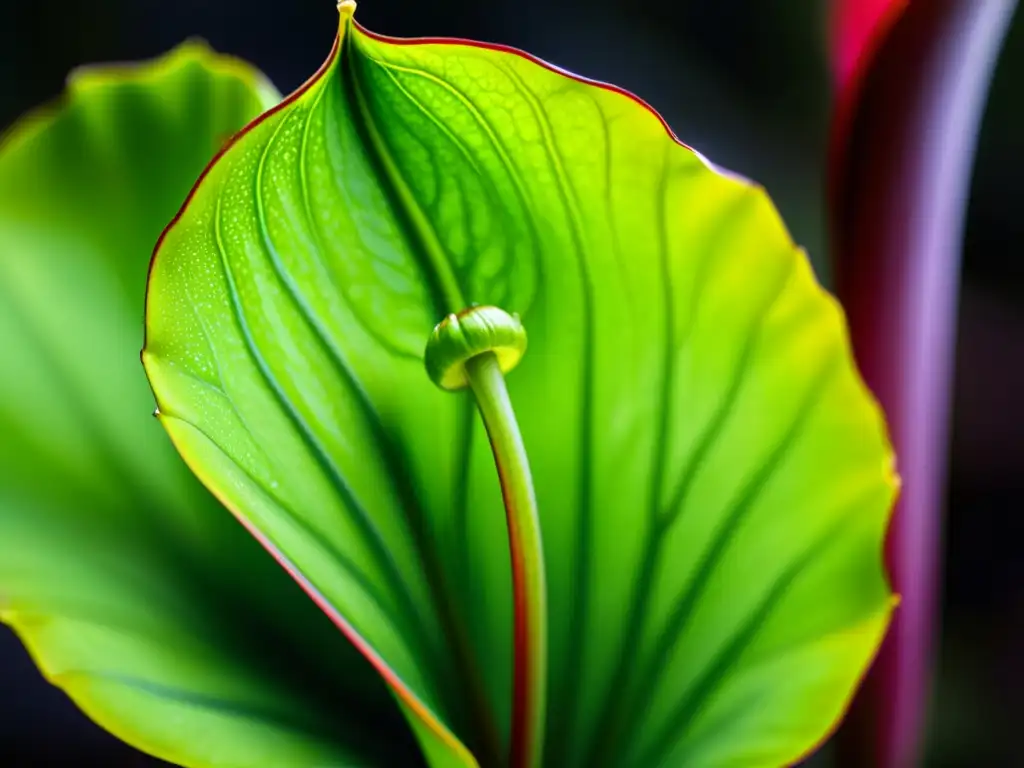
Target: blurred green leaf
point(714, 480)
point(134, 590)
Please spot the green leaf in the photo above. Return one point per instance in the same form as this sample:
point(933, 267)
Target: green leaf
point(134, 590)
point(713, 478)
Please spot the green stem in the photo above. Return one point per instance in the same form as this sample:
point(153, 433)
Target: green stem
point(529, 591)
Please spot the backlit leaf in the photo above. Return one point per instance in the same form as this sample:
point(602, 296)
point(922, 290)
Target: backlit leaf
point(713, 478)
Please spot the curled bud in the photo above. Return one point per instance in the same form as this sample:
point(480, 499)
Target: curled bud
point(473, 332)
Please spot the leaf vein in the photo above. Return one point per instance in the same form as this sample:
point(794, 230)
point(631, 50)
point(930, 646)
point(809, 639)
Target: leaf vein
point(699, 694)
point(725, 533)
point(499, 148)
point(316, 450)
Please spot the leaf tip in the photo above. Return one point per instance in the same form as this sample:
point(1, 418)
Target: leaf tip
point(346, 8)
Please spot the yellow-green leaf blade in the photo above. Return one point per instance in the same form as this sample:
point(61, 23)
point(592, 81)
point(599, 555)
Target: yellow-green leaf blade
point(713, 478)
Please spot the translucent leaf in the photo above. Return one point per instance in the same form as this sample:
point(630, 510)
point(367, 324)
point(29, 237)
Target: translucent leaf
point(713, 478)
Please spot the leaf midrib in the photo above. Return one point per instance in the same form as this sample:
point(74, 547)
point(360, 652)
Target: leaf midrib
point(447, 295)
point(499, 147)
point(438, 270)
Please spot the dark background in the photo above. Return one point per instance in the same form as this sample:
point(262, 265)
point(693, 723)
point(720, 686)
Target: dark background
point(745, 82)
